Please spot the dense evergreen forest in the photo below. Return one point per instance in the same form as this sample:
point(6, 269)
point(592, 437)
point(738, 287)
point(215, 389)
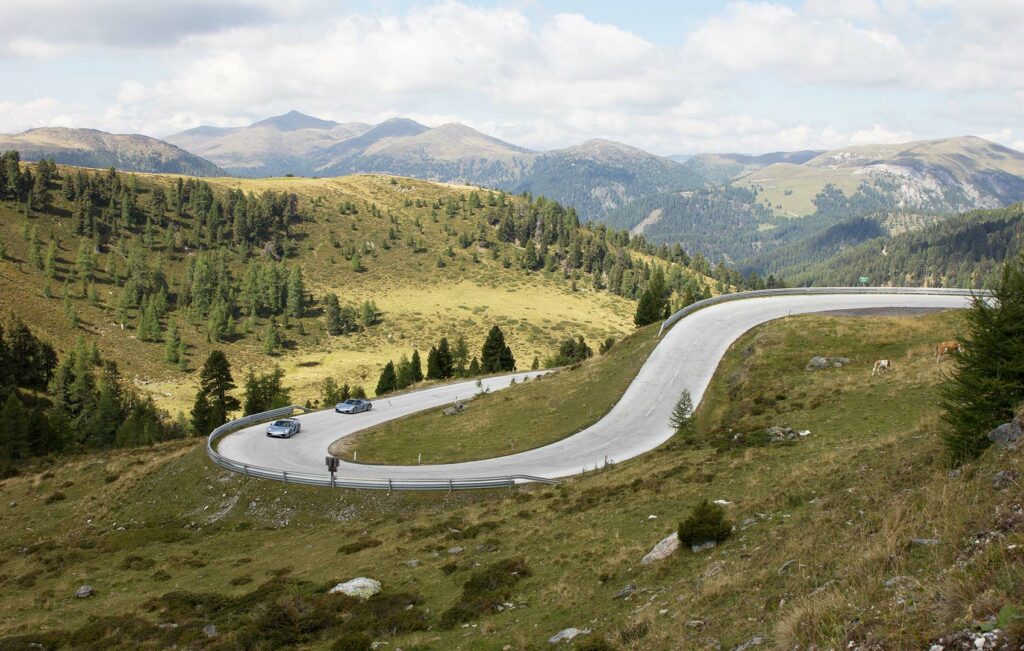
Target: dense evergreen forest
point(963, 251)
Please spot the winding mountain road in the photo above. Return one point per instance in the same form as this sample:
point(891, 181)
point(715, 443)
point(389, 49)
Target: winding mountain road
point(686, 358)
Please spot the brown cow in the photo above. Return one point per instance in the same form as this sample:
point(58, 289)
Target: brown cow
point(881, 366)
point(946, 348)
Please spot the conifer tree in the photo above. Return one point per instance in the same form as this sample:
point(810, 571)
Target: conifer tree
point(445, 365)
point(172, 343)
point(213, 401)
point(988, 377)
point(433, 368)
point(296, 293)
point(403, 373)
point(388, 380)
point(332, 313)
point(496, 356)
point(416, 367)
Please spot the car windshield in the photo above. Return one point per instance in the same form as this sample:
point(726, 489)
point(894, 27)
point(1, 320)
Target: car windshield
point(281, 423)
point(351, 402)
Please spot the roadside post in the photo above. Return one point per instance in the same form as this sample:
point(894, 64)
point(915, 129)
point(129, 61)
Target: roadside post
point(332, 466)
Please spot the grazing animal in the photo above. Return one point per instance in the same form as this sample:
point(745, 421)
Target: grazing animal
point(881, 366)
point(946, 348)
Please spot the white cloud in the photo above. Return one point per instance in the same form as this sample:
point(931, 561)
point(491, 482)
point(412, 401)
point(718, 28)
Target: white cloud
point(545, 81)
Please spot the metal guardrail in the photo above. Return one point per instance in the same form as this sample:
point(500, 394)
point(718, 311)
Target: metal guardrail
point(814, 291)
point(314, 479)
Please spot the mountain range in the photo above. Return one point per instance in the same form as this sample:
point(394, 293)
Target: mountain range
point(594, 177)
point(92, 148)
point(732, 207)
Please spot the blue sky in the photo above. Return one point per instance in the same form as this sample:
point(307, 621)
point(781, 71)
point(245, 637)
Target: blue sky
point(670, 77)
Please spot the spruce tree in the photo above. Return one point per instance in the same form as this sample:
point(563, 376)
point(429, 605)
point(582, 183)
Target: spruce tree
point(332, 313)
point(496, 356)
point(988, 377)
point(213, 400)
point(172, 343)
point(403, 373)
point(445, 364)
point(433, 368)
point(388, 380)
point(296, 293)
point(474, 368)
point(648, 309)
point(416, 366)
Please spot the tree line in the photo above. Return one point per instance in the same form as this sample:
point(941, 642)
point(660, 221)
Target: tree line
point(53, 405)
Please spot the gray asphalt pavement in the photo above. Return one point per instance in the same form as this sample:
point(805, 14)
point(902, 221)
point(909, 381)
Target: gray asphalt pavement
point(686, 358)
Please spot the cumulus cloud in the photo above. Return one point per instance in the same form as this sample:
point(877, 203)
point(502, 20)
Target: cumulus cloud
point(536, 79)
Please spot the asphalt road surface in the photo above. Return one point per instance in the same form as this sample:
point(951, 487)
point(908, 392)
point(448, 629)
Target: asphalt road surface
point(686, 358)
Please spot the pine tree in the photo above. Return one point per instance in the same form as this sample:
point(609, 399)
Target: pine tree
point(403, 373)
point(445, 364)
point(296, 293)
point(460, 356)
point(172, 343)
point(213, 400)
point(496, 356)
point(332, 313)
point(388, 380)
point(433, 368)
point(682, 414)
point(416, 367)
point(474, 368)
point(648, 309)
point(271, 338)
point(50, 265)
point(988, 378)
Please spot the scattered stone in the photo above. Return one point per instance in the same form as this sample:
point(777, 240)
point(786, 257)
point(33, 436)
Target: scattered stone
point(954, 473)
point(1004, 479)
point(652, 517)
point(360, 587)
point(936, 647)
point(897, 581)
point(167, 625)
point(567, 634)
point(625, 592)
point(925, 541)
point(702, 546)
point(665, 548)
point(777, 433)
point(210, 630)
point(85, 592)
point(696, 623)
point(13, 504)
point(749, 522)
point(413, 563)
point(723, 502)
point(454, 409)
point(456, 550)
point(757, 640)
point(1007, 436)
point(785, 566)
point(821, 362)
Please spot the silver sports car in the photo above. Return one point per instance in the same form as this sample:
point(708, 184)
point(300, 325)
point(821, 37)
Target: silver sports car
point(284, 429)
point(353, 406)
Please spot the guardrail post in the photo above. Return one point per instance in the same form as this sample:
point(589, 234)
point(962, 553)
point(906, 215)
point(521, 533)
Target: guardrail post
point(511, 484)
point(284, 475)
point(449, 485)
point(245, 469)
point(389, 485)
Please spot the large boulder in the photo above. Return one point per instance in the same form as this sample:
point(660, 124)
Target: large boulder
point(360, 588)
point(665, 548)
point(1007, 435)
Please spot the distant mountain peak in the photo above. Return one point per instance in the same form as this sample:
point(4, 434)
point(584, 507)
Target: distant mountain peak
point(293, 121)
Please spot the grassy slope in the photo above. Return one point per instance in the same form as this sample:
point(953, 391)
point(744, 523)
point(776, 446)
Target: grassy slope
point(420, 302)
point(841, 504)
point(521, 418)
point(801, 181)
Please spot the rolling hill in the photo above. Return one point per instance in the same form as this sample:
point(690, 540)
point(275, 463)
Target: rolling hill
point(435, 260)
point(92, 148)
point(718, 169)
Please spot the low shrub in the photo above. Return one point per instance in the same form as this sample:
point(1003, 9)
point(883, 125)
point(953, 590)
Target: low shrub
point(707, 523)
point(485, 589)
point(358, 545)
